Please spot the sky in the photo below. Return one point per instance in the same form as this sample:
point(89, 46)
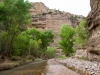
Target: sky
point(78, 7)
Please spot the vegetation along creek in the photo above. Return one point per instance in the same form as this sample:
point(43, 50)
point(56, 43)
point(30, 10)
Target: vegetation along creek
point(37, 40)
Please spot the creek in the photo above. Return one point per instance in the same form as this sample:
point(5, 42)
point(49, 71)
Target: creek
point(34, 68)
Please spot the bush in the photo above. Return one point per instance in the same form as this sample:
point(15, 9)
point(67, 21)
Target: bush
point(17, 52)
point(62, 56)
point(50, 52)
point(43, 13)
point(50, 12)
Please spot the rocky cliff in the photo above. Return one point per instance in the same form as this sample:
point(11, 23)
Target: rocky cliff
point(93, 20)
point(52, 19)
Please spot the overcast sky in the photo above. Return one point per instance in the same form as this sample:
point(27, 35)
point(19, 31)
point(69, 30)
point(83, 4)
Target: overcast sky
point(78, 7)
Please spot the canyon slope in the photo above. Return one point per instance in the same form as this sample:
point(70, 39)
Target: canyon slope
point(93, 20)
point(44, 18)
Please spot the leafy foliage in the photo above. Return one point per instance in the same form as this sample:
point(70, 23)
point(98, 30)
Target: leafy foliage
point(50, 52)
point(14, 16)
point(66, 39)
point(81, 34)
point(32, 42)
point(46, 38)
point(70, 37)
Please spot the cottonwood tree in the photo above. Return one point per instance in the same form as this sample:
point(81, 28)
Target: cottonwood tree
point(66, 40)
point(14, 16)
point(81, 35)
point(46, 38)
point(32, 42)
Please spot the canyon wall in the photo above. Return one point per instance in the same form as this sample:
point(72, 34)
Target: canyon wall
point(44, 18)
point(93, 20)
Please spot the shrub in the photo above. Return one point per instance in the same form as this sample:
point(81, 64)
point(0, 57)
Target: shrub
point(50, 52)
point(43, 13)
point(50, 12)
point(62, 56)
point(84, 58)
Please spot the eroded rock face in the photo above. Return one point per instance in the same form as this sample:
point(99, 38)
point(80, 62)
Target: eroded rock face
point(81, 53)
point(93, 20)
point(52, 19)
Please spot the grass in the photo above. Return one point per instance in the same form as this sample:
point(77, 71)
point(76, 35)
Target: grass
point(62, 57)
point(84, 58)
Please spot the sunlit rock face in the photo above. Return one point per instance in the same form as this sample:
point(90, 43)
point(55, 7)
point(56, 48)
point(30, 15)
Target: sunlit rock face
point(93, 20)
point(52, 19)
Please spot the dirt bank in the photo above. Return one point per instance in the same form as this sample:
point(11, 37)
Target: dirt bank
point(8, 64)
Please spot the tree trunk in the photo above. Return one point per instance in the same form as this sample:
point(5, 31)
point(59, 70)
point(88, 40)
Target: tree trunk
point(11, 44)
point(8, 46)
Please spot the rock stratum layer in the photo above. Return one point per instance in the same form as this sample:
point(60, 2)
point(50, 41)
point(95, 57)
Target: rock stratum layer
point(93, 20)
point(44, 18)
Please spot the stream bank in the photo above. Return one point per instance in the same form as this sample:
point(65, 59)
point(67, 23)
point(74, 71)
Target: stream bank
point(82, 66)
point(8, 64)
point(69, 66)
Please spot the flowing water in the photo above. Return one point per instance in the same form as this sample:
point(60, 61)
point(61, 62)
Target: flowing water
point(34, 68)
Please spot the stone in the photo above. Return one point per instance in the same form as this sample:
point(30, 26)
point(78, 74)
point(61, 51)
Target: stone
point(93, 21)
point(91, 68)
point(81, 53)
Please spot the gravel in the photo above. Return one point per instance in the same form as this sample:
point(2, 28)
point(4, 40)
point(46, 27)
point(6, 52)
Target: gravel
point(91, 68)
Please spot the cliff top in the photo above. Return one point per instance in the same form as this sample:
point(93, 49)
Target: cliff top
point(40, 8)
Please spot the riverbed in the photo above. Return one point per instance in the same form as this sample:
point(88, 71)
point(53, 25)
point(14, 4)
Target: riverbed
point(33, 68)
point(42, 67)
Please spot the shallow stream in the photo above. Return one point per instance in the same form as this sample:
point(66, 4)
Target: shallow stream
point(34, 68)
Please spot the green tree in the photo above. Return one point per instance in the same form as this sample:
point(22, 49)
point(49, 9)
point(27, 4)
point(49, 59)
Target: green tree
point(27, 42)
point(81, 34)
point(66, 39)
point(21, 45)
point(32, 33)
point(34, 48)
point(46, 38)
point(14, 16)
point(32, 42)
